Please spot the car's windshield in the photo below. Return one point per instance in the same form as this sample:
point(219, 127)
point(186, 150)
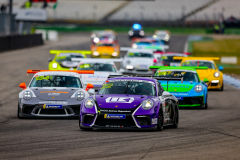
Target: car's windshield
point(56, 81)
point(140, 54)
point(105, 44)
point(68, 56)
point(197, 63)
point(128, 87)
point(97, 67)
point(169, 59)
point(143, 43)
point(187, 75)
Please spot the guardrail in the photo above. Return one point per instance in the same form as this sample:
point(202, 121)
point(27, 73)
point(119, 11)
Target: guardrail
point(12, 42)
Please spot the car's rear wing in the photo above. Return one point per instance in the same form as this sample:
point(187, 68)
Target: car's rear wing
point(75, 71)
point(70, 51)
point(182, 67)
point(98, 60)
point(161, 47)
point(197, 58)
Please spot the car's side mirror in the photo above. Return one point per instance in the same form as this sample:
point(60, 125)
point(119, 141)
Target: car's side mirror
point(89, 86)
point(220, 68)
point(49, 59)
point(91, 91)
point(205, 80)
point(23, 85)
point(166, 94)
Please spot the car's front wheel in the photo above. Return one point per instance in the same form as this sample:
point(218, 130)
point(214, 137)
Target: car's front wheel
point(221, 89)
point(176, 119)
point(19, 117)
point(160, 120)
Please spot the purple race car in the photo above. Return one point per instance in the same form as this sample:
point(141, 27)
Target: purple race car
point(129, 103)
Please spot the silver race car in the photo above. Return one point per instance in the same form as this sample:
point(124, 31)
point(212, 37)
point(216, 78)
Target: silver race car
point(53, 94)
point(137, 61)
point(102, 69)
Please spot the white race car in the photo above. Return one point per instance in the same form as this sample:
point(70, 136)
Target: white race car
point(102, 69)
point(137, 61)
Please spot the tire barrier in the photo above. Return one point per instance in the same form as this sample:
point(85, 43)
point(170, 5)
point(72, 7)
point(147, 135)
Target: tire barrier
point(12, 42)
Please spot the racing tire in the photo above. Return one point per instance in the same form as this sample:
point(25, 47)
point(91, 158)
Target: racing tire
point(176, 118)
point(160, 121)
point(206, 104)
point(221, 89)
point(19, 117)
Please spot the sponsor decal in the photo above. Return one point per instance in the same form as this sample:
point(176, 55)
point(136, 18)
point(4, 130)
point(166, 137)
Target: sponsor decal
point(154, 120)
point(114, 116)
point(114, 126)
point(53, 92)
point(119, 100)
point(52, 106)
point(53, 102)
point(179, 98)
point(117, 111)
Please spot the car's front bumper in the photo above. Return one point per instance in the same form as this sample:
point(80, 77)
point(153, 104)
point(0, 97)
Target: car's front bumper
point(215, 84)
point(105, 56)
point(191, 101)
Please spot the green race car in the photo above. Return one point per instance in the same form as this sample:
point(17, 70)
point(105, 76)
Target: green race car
point(63, 59)
point(191, 92)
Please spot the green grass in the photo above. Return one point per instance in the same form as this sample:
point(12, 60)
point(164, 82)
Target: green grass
point(173, 30)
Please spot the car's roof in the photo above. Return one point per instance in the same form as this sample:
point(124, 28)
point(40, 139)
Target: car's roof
point(133, 78)
point(174, 54)
point(48, 73)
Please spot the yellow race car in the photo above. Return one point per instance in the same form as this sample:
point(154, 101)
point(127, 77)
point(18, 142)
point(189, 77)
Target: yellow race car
point(63, 59)
point(105, 50)
point(213, 74)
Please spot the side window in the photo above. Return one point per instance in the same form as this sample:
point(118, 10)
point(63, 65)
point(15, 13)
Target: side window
point(160, 89)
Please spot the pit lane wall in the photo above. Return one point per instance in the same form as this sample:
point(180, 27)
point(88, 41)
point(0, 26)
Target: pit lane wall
point(12, 42)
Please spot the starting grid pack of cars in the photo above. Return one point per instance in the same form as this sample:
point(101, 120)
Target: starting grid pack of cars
point(145, 93)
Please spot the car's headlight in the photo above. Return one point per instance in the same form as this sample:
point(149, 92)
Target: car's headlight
point(96, 40)
point(114, 54)
point(134, 46)
point(80, 95)
point(95, 53)
point(198, 88)
point(27, 95)
point(89, 103)
point(54, 65)
point(147, 104)
point(130, 33)
point(142, 33)
point(129, 67)
point(216, 74)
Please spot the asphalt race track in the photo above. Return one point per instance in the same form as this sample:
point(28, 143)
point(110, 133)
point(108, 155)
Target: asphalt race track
point(202, 134)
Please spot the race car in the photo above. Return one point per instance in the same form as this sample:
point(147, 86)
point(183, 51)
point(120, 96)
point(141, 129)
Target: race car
point(192, 92)
point(102, 69)
point(136, 31)
point(163, 35)
point(129, 103)
point(62, 59)
point(148, 43)
point(213, 74)
point(166, 59)
point(99, 35)
point(137, 61)
point(53, 94)
point(104, 49)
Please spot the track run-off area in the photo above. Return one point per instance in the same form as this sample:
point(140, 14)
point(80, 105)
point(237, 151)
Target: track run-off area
point(202, 134)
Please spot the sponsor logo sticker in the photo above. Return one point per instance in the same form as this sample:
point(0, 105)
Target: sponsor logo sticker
point(52, 106)
point(119, 100)
point(114, 116)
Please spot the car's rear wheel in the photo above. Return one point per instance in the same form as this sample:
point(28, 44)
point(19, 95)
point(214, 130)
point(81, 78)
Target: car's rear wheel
point(160, 120)
point(176, 118)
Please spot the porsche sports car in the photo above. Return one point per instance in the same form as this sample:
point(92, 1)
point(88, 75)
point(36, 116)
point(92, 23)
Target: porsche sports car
point(129, 103)
point(148, 43)
point(192, 92)
point(53, 94)
point(137, 61)
point(136, 31)
point(105, 49)
point(213, 74)
point(102, 69)
point(62, 59)
point(99, 35)
point(163, 35)
point(166, 59)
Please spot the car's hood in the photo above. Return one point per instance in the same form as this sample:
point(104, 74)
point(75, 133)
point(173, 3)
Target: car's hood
point(105, 49)
point(141, 62)
point(53, 94)
point(209, 73)
point(119, 101)
point(177, 86)
point(97, 77)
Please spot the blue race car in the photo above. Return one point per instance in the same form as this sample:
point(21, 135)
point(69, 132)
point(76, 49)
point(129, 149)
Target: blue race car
point(192, 92)
point(129, 103)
